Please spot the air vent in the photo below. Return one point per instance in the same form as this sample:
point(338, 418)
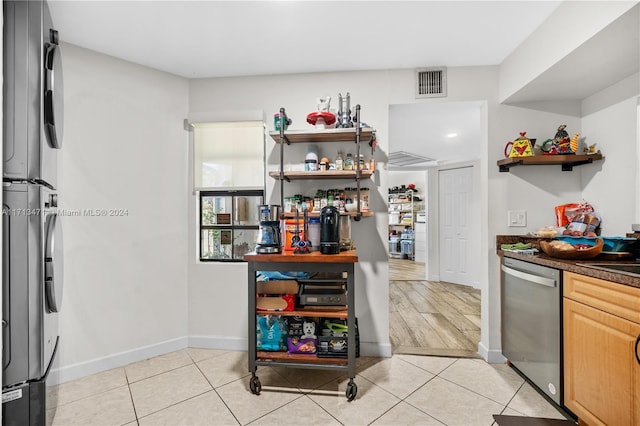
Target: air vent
point(431, 82)
point(403, 158)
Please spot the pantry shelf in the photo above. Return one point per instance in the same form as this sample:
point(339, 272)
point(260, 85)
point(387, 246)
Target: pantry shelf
point(325, 135)
point(329, 174)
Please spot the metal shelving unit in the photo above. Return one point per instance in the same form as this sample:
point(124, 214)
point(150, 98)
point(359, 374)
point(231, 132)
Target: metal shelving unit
point(354, 134)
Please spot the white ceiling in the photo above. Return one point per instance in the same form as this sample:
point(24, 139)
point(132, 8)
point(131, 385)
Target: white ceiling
point(199, 39)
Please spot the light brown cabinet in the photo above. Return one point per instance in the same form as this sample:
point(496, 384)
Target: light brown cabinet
point(601, 353)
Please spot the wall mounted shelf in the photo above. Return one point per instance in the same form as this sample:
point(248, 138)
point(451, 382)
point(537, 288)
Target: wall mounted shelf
point(566, 161)
point(326, 135)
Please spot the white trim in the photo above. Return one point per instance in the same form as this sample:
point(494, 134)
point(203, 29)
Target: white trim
point(376, 349)
point(492, 356)
point(86, 368)
point(219, 342)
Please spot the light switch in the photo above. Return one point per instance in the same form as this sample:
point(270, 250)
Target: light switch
point(516, 218)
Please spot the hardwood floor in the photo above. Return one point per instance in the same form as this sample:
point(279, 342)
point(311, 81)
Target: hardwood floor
point(431, 318)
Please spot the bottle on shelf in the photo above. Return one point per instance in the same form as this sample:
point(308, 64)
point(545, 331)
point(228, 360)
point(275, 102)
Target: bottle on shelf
point(339, 161)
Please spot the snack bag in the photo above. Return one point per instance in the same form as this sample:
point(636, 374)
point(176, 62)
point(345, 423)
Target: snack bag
point(271, 331)
point(301, 336)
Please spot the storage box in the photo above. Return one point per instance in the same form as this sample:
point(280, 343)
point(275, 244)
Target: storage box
point(276, 295)
point(333, 343)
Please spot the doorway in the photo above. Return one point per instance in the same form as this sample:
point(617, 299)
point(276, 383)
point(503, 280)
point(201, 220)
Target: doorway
point(429, 314)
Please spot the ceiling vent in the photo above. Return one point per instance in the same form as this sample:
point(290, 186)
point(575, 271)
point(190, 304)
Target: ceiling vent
point(403, 158)
point(431, 82)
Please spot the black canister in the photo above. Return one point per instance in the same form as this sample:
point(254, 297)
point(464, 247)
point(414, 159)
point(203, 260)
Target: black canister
point(329, 230)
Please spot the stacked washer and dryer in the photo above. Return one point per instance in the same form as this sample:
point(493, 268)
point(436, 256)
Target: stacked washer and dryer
point(32, 235)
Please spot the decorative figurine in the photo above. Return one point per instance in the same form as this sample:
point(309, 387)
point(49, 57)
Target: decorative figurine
point(520, 147)
point(322, 117)
point(560, 144)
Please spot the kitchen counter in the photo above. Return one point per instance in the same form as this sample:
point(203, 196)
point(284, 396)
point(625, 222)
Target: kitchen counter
point(566, 265)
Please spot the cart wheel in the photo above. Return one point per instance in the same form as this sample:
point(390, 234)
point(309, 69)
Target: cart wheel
point(352, 390)
point(255, 386)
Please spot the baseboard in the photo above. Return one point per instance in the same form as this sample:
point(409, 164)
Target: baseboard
point(376, 349)
point(76, 371)
point(86, 368)
point(218, 342)
point(492, 356)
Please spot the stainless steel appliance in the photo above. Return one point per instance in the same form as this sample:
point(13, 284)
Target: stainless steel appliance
point(269, 239)
point(32, 244)
point(329, 230)
point(531, 314)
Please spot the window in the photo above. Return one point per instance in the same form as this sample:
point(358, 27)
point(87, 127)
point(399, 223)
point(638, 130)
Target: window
point(229, 155)
point(228, 223)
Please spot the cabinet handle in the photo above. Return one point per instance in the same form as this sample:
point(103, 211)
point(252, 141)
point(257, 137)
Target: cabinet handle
point(636, 349)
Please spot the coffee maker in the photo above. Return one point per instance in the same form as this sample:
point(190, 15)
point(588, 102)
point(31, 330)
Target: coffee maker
point(329, 230)
point(269, 230)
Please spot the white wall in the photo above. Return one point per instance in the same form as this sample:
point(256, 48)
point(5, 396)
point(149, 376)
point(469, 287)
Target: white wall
point(614, 131)
point(125, 293)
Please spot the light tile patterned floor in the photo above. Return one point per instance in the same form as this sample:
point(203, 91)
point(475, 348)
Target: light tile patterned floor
point(211, 387)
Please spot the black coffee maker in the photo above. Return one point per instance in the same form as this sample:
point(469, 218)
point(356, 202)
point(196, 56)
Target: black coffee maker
point(329, 230)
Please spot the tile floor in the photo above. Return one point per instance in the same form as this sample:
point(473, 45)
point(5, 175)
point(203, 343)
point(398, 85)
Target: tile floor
point(211, 387)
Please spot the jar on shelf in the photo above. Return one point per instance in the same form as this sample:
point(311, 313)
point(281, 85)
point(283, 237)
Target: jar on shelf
point(360, 162)
point(348, 162)
point(364, 199)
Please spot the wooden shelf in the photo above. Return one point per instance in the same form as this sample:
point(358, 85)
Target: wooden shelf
point(326, 135)
point(329, 174)
point(566, 161)
point(287, 357)
point(340, 312)
point(317, 214)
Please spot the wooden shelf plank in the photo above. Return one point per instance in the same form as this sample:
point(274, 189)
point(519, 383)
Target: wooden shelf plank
point(317, 214)
point(311, 358)
point(340, 312)
point(566, 161)
point(326, 135)
point(348, 256)
point(329, 174)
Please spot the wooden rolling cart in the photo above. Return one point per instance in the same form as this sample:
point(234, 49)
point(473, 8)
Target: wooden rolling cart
point(313, 262)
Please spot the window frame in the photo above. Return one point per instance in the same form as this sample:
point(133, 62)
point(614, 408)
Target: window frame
point(232, 193)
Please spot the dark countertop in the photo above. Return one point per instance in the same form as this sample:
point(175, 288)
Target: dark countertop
point(576, 266)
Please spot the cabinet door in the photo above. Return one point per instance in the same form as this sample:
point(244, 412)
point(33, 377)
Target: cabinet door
point(601, 373)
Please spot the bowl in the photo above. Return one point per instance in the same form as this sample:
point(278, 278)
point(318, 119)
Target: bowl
point(596, 248)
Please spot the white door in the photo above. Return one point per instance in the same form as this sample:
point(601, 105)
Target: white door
point(454, 188)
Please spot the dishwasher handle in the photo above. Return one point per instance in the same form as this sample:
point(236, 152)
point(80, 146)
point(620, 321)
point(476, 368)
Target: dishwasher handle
point(529, 277)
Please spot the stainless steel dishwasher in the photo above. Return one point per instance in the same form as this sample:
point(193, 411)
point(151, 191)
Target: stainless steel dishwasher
point(531, 323)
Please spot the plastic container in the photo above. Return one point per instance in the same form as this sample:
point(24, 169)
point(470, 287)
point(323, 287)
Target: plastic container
point(311, 160)
point(314, 233)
